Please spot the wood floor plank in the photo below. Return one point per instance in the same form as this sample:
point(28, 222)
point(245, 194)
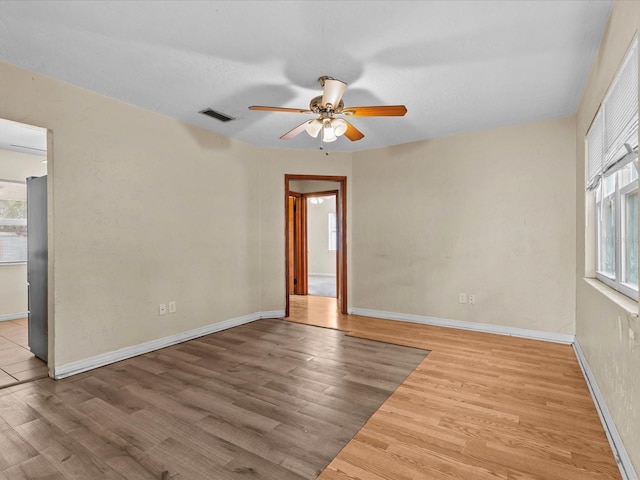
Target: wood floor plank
point(34, 468)
point(14, 449)
point(254, 466)
point(479, 406)
point(192, 436)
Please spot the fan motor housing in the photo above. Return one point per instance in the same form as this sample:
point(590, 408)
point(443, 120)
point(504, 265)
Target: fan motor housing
point(316, 106)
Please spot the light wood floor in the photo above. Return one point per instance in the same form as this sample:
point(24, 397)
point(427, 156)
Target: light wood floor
point(17, 363)
point(480, 406)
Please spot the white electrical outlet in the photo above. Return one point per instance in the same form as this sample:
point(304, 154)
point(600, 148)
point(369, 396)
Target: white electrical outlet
point(472, 299)
point(462, 297)
point(163, 309)
point(172, 306)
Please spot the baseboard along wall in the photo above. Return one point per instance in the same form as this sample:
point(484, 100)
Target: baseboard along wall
point(617, 446)
point(460, 324)
point(101, 360)
point(13, 316)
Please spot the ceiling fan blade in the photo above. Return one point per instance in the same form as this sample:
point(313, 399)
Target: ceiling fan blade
point(295, 131)
point(378, 111)
point(353, 133)
point(279, 109)
point(332, 91)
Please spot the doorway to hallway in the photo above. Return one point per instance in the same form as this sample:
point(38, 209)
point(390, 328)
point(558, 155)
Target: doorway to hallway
point(315, 237)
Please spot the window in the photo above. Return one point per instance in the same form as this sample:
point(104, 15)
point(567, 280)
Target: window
point(612, 176)
point(333, 233)
point(617, 227)
point(13, 222)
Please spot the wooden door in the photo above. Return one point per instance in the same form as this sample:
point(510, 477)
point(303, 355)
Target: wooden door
point(297, 244)
point(291, 247)
point(300, 246)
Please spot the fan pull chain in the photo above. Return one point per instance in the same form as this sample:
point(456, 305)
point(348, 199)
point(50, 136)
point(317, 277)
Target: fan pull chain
point(322, 146)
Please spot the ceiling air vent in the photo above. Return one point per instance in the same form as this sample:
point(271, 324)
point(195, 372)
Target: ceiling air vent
point(218, 115)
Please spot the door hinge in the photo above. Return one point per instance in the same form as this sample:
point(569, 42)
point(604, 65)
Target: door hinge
point(295, 281)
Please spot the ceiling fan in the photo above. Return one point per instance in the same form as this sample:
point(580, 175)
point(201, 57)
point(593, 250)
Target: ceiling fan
point(327, 106)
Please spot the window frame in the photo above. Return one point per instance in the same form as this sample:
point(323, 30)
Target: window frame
point(622, 192)
point(611, 144)
point(333, 232)
point(616, 196)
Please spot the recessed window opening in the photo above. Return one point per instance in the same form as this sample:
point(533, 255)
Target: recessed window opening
point(612, 177)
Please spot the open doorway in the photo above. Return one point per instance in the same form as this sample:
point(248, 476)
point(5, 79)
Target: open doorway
point(322, 243)
point(315, 237)
point(313, 241)
point(23, 219)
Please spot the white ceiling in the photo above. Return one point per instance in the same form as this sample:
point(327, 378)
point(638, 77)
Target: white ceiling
point(457, 65)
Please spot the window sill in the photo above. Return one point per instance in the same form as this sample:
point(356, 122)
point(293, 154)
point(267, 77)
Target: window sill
point(622, 301)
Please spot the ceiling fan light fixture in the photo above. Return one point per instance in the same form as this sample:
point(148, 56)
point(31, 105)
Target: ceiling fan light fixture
point(339, 126)
point(328, 133)
point(326, 107)
point(313, 127)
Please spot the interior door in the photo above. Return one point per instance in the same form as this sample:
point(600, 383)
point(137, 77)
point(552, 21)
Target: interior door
point(299, 245)
point(291, 253)
point(37, 265)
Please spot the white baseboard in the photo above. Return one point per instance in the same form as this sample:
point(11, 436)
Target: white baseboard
point(620, 453)
point(460, 324)
point(272, 314)
point(101, 360)
point(13, 316)
point(322, 274)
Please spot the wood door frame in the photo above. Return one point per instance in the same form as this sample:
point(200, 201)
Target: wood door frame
point(341, 257)
point(300, 258)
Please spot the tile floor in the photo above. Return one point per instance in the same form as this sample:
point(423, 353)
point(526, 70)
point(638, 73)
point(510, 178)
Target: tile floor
point(322, 285)
point(17, 363)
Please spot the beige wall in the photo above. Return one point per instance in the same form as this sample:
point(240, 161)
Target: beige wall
point(603, 323)
point(13, 278)
point(488, 213)
point(148, 210)
point(274, 165)
point(20, 166)
point(13, 290)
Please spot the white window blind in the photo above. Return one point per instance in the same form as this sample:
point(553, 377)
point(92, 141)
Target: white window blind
point(595, 150)
point(621, 108)
point(616, 124)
